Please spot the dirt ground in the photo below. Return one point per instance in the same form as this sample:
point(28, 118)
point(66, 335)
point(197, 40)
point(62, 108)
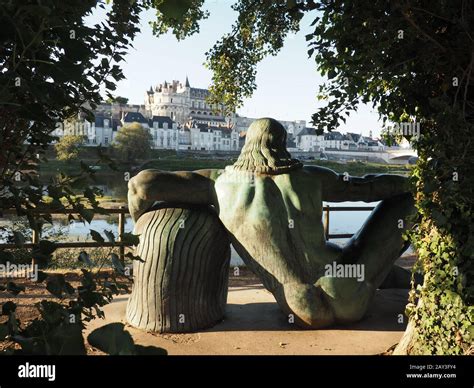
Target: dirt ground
point(253, 323)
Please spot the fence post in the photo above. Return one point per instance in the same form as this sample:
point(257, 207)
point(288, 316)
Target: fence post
point(121, 225)
point(326, 224)
point(35, 240)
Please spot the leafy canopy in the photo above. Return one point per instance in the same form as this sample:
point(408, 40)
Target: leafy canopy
point(133, 142)
point(67, 148)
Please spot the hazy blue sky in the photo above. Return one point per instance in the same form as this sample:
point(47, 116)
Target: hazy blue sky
point(286, 84)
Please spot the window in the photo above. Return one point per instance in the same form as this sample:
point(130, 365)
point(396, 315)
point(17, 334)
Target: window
point(106, 140)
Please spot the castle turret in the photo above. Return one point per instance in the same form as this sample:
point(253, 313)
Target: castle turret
point(180, 101)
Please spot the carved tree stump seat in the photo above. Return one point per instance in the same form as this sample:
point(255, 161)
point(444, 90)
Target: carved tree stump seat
point(182, 284)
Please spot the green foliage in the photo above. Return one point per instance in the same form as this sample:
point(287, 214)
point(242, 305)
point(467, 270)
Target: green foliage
point(444, 239)
point(67, 148)
point(132, 142)
point(259, 31)
point(181, 16)
point(409, 77)
point(54, 67)
point(117, 100)
point(59, 328)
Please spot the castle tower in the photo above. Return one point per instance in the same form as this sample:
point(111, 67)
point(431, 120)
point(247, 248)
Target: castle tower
point(182, 103)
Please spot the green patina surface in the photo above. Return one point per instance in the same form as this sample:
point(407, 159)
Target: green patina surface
point(271, 206)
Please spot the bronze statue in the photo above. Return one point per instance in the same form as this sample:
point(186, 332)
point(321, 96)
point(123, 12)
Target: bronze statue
point(271, 206)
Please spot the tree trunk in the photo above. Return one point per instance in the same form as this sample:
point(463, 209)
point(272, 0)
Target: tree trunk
point(404, 346)
point(182, 284)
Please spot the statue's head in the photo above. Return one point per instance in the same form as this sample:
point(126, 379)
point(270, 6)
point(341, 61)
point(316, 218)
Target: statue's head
point(265, 150)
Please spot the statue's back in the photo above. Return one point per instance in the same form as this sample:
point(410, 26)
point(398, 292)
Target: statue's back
point(275, 221)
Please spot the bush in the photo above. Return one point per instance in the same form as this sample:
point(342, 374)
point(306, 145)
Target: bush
point(67, 148)
point(132, 142)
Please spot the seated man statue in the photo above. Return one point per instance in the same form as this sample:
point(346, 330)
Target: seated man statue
point(271, 206)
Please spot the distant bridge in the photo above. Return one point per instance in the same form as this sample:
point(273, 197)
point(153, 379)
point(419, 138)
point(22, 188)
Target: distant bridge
point(397, 156)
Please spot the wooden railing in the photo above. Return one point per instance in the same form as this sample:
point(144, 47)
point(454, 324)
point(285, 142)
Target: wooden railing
point(122, 211)
point(327, 209)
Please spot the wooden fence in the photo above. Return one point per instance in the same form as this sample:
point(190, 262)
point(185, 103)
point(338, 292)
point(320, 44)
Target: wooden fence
point(123, 211)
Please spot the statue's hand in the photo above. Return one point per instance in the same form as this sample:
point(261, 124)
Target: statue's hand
point(137, 202)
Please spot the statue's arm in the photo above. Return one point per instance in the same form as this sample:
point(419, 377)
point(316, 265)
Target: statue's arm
point(149, 186)
point(368, 188)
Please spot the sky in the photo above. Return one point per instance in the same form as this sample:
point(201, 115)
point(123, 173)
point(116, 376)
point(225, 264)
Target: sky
point(287, 83)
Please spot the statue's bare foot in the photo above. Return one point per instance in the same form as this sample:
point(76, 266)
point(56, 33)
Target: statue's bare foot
point(306, 304)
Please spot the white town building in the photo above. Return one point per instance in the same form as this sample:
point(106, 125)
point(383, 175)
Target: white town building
point(309, 141)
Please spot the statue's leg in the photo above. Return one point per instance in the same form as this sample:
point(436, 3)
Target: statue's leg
point(330, 300)
point(373, 250)
point(344, 292)
point(379, 243)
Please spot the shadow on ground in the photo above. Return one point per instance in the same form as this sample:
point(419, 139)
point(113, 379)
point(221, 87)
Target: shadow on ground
point(385, 314)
